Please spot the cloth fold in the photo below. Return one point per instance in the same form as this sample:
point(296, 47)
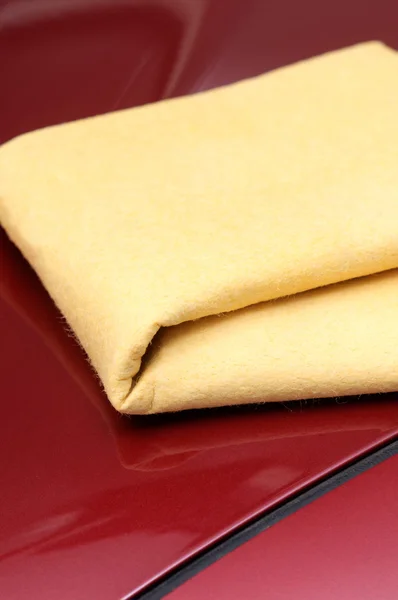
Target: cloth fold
point(236, 246)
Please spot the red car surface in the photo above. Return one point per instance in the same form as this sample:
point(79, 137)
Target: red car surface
point(277, 502)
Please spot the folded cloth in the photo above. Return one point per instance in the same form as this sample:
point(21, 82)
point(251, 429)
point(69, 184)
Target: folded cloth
point(274, 200)
point(143, 444)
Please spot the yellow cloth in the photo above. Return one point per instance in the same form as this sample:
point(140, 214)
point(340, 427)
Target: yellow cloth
point(152, 218)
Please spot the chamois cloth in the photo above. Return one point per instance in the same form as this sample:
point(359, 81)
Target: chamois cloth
point(236, 246)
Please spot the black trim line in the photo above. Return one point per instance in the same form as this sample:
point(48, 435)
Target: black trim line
point(201, 561)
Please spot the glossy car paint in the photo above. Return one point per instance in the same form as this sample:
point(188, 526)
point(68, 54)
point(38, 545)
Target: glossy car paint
point(93, 504)
point(344, 545)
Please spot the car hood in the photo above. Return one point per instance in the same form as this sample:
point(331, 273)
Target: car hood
point(93, 504)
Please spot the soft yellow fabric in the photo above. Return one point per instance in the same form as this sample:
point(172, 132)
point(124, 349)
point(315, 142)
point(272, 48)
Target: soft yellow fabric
point(158, 216)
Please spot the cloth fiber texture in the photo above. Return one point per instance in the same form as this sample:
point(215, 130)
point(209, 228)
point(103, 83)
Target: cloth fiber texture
point(143, 444)
point(236, 246)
